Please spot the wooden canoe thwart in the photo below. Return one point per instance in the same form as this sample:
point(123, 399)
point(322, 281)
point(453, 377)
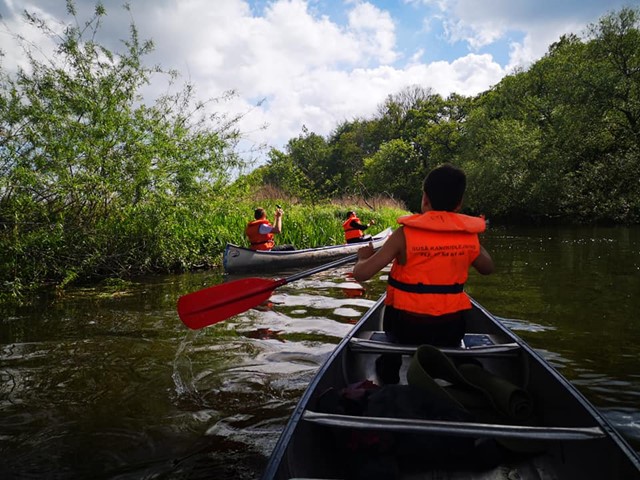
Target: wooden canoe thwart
point(491, 409)
point(236, 259)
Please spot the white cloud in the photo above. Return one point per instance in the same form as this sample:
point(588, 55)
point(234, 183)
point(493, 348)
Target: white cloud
point(320, 67)
point(480, 23)
point(311, 70)
point(476, 35)
point(467, 75)
point(14, 56)
point(376, 31)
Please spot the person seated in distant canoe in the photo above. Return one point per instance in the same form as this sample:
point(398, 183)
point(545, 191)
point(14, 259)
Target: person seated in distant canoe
point(354, 229)
point(260, 232)
point(431, 254)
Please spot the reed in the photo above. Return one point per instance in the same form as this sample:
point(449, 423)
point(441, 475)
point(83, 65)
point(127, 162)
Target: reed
point(162, 237)
point(307, 226)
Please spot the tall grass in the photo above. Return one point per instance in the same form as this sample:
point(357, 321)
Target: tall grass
point(308, 224)
point(162, 237)
point(305, 226)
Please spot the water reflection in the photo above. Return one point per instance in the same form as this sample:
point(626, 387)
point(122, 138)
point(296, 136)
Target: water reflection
point(264, 334)
point(112, 385)
point(524, 326)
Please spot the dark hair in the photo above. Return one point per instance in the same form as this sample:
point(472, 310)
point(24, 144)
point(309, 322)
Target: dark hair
point(259, 213)
point(349, 213)
point(445, 186)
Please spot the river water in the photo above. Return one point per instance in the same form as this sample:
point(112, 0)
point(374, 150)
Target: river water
point(110, 384)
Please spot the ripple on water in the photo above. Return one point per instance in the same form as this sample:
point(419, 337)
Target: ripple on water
point(555, 359)
point(257, 437)
point(319, 302)
point(308, 323)
point(23, 351)
point(112, 386)
point(348, 312)
point(524, 325)
point(627, 421)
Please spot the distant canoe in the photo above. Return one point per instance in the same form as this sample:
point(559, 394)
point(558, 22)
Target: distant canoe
point(238, 259)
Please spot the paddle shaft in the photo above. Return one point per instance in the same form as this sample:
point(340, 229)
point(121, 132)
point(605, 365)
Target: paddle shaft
point(283, 281)
point(219, 302)
point(321, 268)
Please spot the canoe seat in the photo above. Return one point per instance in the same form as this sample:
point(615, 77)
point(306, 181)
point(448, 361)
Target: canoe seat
point(474, 344)
point(463, 429)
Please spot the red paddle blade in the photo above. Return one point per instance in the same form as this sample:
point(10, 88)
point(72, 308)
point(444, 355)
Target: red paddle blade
point(219, 302)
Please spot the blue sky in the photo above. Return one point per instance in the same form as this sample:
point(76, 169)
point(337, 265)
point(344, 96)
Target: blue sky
point(317, 63)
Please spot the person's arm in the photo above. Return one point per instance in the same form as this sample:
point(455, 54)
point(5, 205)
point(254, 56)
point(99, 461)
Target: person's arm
point(483, 263)
point(369, 262)
point(357, 225)
point(361, 226)
point(277, 228)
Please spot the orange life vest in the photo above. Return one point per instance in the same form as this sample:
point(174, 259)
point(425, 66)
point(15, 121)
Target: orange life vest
point(350, 232)
point(257, 240)
point(440, 248)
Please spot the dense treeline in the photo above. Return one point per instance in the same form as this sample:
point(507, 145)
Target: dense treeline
point(97, 182)
point(559, 141)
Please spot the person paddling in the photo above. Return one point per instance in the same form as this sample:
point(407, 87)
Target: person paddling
point(261, 233)
point(354, 229)
point(431, 254)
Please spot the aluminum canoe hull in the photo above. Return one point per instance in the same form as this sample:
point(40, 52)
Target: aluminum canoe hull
point(237, 259)
point(572, 439)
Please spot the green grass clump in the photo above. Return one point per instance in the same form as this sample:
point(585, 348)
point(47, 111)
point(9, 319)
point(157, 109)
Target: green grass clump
point(158, 237)
point(309, 226)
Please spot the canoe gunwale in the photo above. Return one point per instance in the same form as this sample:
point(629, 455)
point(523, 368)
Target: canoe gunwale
point(278, 452)
point(587, 425)
point(361, 345)
point(238, 259)
point(461, 429)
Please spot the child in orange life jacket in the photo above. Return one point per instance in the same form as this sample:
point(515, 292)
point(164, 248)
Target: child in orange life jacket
point(354, 229)
point(431, 254)
point(260, 232)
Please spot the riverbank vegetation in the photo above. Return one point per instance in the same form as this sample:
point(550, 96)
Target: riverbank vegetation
point(97, 182)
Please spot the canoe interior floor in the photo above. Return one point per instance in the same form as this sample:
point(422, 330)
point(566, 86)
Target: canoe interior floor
point(352, 426)
point(541, 459)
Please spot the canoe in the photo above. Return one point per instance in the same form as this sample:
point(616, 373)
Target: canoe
point(530, 422)
point(238, 259)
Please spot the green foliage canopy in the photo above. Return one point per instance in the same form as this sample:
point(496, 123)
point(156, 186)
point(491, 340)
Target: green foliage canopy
point(558, 141)
point(93, 180)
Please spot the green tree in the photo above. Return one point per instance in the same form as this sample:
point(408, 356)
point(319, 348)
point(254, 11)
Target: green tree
point(93, 176)
point(499, 158)
point(394, 171)
point(605, 184)
point(435, 126)
point(349, 145)
point(560, 140)
point(309, 152)
point(282, 172)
